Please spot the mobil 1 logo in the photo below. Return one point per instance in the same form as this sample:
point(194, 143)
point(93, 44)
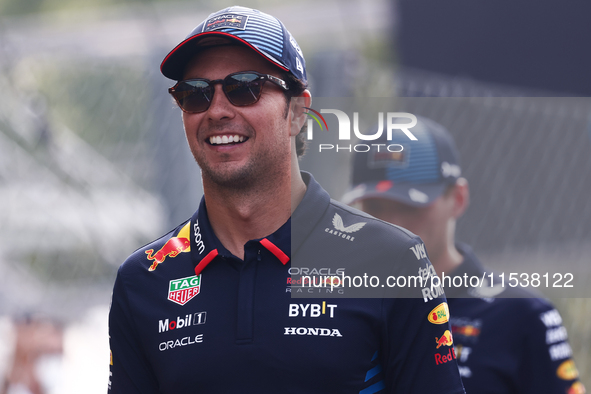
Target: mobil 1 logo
point(191, 319)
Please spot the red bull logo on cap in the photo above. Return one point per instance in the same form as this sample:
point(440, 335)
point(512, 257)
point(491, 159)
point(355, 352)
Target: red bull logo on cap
point(445, 340)
point(467, 331)
point(171, 248)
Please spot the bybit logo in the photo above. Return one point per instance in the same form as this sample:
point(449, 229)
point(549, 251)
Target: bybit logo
point(312, 310)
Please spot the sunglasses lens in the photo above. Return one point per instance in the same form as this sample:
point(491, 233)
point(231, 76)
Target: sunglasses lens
point(243, 89)
point(193, 96)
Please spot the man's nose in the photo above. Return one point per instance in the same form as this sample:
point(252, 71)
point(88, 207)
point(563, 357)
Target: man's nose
point(220, 107)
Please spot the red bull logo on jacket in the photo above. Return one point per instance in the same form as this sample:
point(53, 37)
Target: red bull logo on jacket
point(171, 248)
point(445, 358)
point(445, 340)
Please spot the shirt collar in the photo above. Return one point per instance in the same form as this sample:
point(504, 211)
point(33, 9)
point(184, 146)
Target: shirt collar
point(205, 245)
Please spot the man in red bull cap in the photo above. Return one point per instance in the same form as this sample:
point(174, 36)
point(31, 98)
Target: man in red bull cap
point(221, 314)
point(506, 340)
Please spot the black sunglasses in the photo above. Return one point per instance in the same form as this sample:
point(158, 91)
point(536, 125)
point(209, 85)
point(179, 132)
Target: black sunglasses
point(241, 88)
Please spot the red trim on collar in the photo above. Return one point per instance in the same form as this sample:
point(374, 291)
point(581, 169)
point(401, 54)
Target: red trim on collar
point(275, 250)
point(206, 260)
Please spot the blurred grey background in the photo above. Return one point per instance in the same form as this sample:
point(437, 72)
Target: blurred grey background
point(94, 164)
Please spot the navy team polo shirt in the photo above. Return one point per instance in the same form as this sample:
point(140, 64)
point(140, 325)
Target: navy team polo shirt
point(189, 317)
point(508, 340)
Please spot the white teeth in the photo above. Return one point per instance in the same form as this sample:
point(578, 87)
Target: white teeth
point(225, 139)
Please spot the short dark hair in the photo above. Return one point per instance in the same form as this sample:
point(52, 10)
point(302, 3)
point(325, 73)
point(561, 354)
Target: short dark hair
point(296, 88)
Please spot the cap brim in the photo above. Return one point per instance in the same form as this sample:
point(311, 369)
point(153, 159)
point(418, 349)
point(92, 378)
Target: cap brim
point(173, 65)
point(416, 195)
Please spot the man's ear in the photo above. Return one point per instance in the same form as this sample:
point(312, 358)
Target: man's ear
point(461, 195)
point(298, 111)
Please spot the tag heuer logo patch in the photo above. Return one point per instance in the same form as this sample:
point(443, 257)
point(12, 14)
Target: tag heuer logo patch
point(182, 290)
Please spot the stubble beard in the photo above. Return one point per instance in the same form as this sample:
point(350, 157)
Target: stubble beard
point(261, 171)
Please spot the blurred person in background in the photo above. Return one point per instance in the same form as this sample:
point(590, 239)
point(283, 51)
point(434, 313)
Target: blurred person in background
point(507, 340)
point(36, 339)
point(206, 308)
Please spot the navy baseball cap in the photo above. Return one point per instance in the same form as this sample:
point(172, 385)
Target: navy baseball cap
point(262, 32)
point(415, 175)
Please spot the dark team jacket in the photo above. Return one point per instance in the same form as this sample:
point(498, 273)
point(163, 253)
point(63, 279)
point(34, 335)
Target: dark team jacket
point(507, 340)
point(189, 317)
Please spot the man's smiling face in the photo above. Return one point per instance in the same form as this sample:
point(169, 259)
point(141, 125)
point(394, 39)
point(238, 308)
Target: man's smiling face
point(236, 146)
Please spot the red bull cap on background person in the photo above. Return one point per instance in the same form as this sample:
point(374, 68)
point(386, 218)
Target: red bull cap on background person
point(506, 339)
point(218, 316)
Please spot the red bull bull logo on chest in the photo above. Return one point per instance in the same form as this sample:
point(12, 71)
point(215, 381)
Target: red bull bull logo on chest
point(171, 248)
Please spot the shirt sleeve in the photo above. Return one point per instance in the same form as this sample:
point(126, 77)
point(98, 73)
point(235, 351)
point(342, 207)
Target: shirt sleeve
point(548, 365)
point(130, 371)
point(419, 356)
